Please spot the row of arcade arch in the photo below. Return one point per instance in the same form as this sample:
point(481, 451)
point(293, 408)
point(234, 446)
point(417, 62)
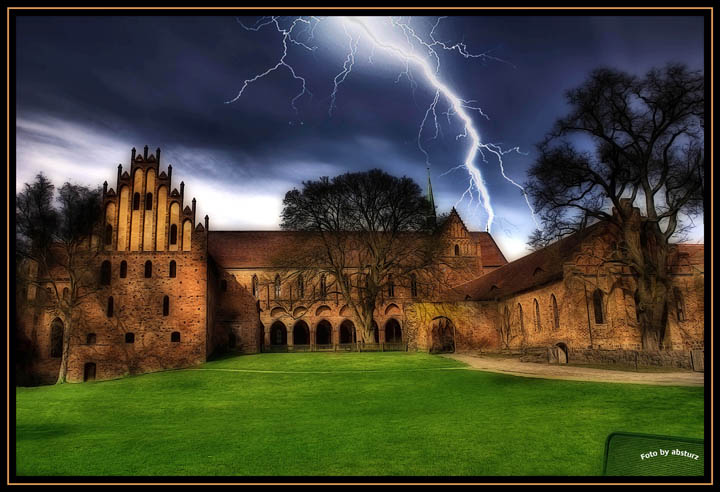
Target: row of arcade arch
point(324, 334)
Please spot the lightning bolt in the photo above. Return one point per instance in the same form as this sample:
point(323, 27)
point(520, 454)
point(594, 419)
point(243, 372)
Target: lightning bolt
point(415, 53)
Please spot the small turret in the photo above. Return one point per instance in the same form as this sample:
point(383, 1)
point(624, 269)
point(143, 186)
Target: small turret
point(104, 188)
point(132, 155)
point(145, 151)
point(117, 185)
point(170, 176)
point(182, 193)
point(207, 224)
point(193, 209)
point(157, 156)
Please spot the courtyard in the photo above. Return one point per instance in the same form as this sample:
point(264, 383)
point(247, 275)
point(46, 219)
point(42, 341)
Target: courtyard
point(350, 414)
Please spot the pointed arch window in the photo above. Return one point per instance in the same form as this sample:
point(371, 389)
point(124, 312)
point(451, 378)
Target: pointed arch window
point(105, 272)
point(323, 287)
point(173, 234)
point(148, 201)
point(506, 320)
point(679, 304)
point(136, 201)
point(457, 250)
point(108, 234)
point(110, 307)
point(173, 269)
point(148, 269)
point(166, 306)
point(598, 306)
point(123, 269)
point(277, 286)
point(56, 338)
point(521, 321)
point(538, 325)
point(556, 314)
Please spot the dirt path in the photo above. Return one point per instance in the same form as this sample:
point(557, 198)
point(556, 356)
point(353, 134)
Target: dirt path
point(548, 371)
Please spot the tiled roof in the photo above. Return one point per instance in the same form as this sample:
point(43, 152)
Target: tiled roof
point(537, 268)
point(250, 249)
point(546, 265)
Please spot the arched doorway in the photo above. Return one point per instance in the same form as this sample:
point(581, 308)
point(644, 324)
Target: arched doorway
point(301, 333)
point(89, 371)
point(442, 336)
point(347, 332)
point(56, 337)
point(393, 332)
point(278, 334)
point(560, 353)
point(323, 333)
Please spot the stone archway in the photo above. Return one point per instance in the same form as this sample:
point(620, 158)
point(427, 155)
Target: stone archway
point(442, 336)
point(393, 332)
point(323, 333)
point(301, 333)
point(57, 329)
point(347, 332)
point(559, 353)
point(278, 334)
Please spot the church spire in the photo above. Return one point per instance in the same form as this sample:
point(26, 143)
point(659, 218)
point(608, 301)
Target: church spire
point(431, 199)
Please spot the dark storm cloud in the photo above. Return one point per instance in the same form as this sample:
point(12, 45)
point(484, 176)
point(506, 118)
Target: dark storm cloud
point(100, 85)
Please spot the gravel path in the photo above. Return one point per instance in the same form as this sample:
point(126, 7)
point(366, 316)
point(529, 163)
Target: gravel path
point(550, 371)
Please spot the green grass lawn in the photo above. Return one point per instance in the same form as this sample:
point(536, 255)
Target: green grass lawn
point(361, 414)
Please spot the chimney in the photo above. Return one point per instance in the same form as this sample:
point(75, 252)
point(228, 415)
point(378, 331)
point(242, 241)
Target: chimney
point(145, 153)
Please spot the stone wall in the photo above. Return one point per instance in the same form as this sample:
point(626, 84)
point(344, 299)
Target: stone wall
point(628, 358)
point(665, 358)
point(474, 323)
point(137, 312)
point(236, 312)
point(579, 327)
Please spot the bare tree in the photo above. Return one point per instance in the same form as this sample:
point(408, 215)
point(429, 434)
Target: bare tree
point(367, 234)
point(647, 152)
point(57, 242)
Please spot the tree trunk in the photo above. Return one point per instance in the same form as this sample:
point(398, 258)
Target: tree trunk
point(647, 250)
point(62, 374)
point(652, 312)
point(367, 330)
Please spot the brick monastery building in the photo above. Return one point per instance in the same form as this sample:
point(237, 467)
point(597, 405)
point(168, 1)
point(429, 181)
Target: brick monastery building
point(172, 292)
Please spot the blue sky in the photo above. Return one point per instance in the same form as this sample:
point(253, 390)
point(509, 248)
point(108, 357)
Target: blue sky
point(91, 88)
